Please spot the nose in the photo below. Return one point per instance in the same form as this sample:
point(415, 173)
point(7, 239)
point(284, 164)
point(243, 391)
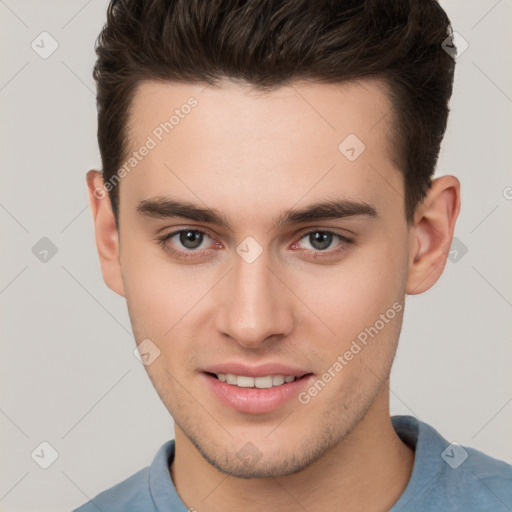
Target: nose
point(258, 307)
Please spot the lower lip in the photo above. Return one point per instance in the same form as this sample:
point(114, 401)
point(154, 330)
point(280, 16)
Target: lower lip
point(256, 400)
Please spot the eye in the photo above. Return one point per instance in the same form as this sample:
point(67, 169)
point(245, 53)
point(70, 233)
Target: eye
point(321, 240)
point(188, 243)
point(189, 239)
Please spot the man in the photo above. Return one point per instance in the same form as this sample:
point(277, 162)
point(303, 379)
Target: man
point(265, 206)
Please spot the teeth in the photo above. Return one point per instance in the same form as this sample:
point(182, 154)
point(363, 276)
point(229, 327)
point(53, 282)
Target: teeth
point(263, 382)
point(277, 380)
point(243, 381)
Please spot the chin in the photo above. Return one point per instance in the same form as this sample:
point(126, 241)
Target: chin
point(247, 469)
point(273, 460)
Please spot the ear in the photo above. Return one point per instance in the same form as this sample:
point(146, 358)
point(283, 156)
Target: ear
point(107, 237)
point(431, 234)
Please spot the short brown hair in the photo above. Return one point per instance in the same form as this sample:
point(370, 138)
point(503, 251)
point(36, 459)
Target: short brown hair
point(270, 43)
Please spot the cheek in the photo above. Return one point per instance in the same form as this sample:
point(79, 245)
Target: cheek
point(150, 294)
point(164, 300)
point(359, 305)
point(357, 291)
point(340, 300)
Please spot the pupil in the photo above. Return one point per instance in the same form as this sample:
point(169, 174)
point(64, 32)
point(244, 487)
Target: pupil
point(323, 238)
point(189, 239)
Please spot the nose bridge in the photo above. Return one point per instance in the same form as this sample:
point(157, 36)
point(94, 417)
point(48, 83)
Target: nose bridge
point(257, 306)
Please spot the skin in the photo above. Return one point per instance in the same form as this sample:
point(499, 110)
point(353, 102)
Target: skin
point(251, 156)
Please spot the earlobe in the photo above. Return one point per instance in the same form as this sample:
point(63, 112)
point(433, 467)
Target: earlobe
point(106, 234)
point(432, 233)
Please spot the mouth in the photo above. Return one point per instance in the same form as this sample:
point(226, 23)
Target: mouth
point(264, 382)
point(256, 395)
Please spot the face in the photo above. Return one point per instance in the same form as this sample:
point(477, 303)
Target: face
point(255, 289)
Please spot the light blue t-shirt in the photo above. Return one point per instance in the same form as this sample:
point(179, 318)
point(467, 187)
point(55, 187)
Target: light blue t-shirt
point(445, 477)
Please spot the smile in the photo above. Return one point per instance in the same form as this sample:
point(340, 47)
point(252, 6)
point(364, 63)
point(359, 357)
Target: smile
point(244, 381)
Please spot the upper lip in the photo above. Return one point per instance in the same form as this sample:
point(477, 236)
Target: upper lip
point(261, 370)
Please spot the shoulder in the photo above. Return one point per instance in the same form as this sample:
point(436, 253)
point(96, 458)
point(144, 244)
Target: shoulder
point(449, 476)
point(132, 494)
point(140, 490)
point(479, 479)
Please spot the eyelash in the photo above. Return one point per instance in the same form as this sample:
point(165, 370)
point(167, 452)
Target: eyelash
point(200, 253)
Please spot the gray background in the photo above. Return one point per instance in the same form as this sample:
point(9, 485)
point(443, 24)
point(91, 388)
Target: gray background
point(68, 373)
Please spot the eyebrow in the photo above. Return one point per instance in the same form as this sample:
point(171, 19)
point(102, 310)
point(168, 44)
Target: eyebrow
point(166, 208)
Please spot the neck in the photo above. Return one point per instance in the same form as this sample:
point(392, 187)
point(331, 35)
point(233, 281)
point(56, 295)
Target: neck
point(368, 470)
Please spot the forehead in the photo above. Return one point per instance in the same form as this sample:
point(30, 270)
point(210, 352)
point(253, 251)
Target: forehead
point(237, 146)
point(301, 109)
